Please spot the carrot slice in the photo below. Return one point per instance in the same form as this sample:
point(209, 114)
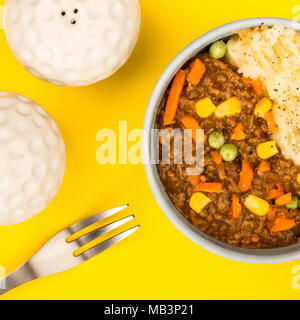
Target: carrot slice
point(174, 96)
point(238, 133)
point(194, 180)
point(254, 239)
point(257, 86)
point(190, 123)
point(263, 167)
point(246, 176)
point(216, 157)
point(275, 193)
point(271, 213)
point(196, 73)
point(272, 125)
point(214, 187)
point(246, 81)
point(236, 207)
point(282, 223)
point(283, 200)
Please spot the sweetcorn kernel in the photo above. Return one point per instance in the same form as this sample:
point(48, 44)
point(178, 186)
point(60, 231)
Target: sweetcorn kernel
point(257, 205)
point(198, 201)
point(228, 108)
point(205, 107)
point(266, 150)
point(263, 106)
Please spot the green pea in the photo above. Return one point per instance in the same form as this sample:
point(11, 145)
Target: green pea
point(218, 49)
point(294, 204)
point(229, 152)
point(216, 140)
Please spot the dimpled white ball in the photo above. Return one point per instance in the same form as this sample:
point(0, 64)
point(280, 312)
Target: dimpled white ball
point(72, 42)
point(32, 158)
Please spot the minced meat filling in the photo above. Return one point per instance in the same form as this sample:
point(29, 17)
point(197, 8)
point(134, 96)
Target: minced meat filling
point(220, 82)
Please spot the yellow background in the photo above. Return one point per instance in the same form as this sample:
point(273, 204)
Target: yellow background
point(157, 262)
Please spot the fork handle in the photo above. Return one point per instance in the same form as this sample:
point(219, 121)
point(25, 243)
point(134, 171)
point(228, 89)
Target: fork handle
point(22, 275)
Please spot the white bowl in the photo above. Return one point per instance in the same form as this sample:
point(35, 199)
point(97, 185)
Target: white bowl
point(205, 241)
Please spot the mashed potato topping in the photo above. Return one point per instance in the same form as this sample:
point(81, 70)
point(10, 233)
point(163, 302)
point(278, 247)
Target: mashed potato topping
point(273, 54)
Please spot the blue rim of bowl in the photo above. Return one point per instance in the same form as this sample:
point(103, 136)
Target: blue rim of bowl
point(258, 256)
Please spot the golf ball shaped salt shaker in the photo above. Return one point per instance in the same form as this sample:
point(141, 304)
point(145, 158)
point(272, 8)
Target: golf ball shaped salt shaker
point(32, 158)
point(72, 42)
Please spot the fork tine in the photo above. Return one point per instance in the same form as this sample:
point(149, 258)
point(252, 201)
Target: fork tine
point(93, 219)
point(107, 243)
point(101, 231)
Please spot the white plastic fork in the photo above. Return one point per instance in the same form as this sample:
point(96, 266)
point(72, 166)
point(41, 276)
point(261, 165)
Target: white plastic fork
point(57, 254)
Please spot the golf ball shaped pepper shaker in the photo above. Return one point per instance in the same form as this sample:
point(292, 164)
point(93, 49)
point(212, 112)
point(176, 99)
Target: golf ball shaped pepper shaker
point(72, 42)
point(32, 158)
